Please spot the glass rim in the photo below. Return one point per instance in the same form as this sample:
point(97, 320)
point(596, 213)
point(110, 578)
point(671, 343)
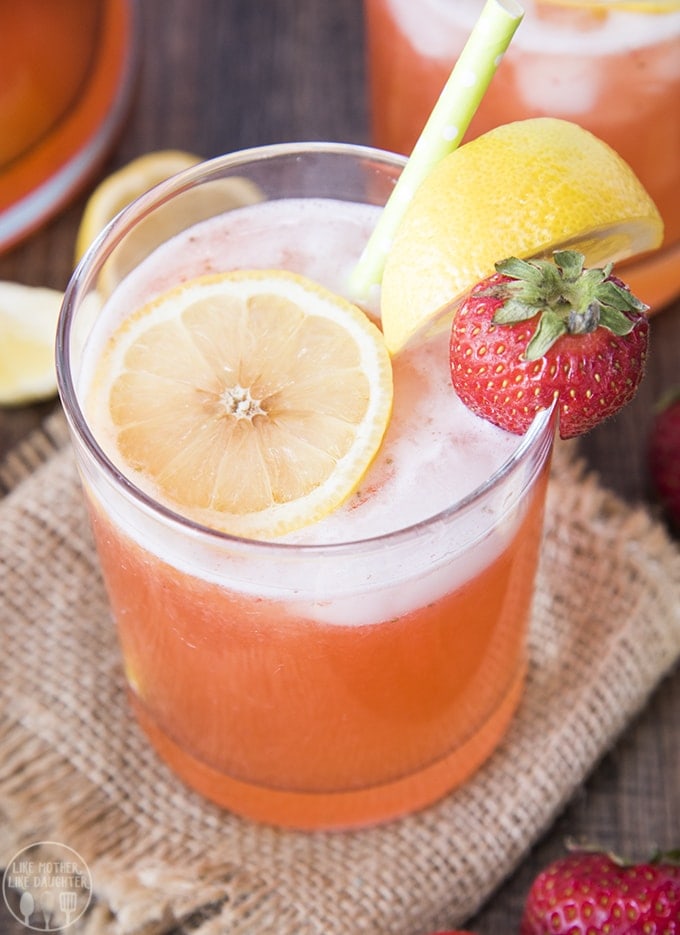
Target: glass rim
point(79, 286)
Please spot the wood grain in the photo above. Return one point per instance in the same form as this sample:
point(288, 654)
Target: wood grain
point(216, 76)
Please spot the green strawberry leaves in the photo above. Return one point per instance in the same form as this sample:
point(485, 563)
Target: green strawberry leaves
point(542, 330)
point(569, 299)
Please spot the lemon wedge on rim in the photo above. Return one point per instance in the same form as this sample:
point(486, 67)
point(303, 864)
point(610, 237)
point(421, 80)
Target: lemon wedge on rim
point(252, 402)
point(523, 189)
point(28, 324)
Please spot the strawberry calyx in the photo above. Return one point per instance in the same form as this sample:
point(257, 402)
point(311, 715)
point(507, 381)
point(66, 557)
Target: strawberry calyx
point(570, 300)
point(667, 858)
point(667, 399)
point(540, 331)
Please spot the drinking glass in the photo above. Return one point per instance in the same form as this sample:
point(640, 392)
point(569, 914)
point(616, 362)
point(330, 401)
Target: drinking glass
point(308, 685)
point(611, 66)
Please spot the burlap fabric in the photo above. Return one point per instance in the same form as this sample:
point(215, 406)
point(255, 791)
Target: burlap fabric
point(74, 769)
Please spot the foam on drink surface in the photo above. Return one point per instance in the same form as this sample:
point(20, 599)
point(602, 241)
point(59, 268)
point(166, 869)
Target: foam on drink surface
point(434, 454)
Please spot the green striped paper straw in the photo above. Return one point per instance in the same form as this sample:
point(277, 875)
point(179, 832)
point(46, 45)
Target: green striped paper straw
point(443, 131)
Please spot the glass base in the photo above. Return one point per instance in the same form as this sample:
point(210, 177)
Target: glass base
point(342, 810)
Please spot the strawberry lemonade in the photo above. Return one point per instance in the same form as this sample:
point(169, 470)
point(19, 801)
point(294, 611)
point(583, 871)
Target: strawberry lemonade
point(328, 669)
point(613, 66)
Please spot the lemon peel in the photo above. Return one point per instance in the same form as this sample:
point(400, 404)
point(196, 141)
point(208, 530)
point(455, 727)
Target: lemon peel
point(121, 187)
point(523, 189)
point(134, 179)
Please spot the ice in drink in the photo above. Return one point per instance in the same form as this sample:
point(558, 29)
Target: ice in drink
point(616, 72)
point(362, 666)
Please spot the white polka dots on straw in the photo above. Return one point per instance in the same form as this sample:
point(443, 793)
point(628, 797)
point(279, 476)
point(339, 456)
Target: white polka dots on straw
point(443, 131)
point(450, 134)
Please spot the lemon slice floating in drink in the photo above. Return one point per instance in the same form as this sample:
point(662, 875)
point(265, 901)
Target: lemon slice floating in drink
point(28, 322)
point(253, 402)
point(523, 189)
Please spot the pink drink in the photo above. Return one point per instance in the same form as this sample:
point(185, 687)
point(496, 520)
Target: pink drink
point(432, 436)
point(615, 72)
point(363, 666)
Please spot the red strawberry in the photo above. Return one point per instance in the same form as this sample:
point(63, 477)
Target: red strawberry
point(664, 455)
point(541, 329)
point(590, 892)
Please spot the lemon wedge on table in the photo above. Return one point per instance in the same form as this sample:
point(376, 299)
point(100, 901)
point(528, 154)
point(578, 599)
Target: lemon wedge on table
point(523, 189)
point(120, 188)
point(252, 402)
point(28, 324)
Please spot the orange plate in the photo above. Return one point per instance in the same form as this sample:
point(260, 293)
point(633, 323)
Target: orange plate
point(66, 74)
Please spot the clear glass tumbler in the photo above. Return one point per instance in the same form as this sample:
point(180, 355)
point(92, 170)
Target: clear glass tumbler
point(307, 685)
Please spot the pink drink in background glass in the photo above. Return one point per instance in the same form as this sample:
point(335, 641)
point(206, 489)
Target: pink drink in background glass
point(611, 69)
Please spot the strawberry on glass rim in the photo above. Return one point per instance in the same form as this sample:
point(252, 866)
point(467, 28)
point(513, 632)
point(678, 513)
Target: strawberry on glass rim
point(542, 331)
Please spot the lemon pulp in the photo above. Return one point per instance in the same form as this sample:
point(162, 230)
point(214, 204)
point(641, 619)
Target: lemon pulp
point(253, 402)
point(28, 323)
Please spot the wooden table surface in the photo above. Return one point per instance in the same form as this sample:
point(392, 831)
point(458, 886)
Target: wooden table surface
point(220, 75)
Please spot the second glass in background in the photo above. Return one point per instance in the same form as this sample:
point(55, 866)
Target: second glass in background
point(612, 67)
